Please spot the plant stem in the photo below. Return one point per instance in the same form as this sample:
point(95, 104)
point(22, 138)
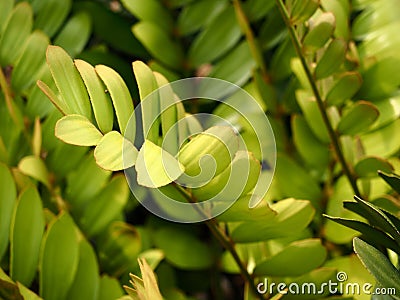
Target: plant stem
point(332, 134)
point(253, 44)
point(224, 240)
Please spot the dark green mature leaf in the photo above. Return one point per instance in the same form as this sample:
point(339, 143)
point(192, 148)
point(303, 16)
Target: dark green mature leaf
point(8, 196)
point(27, 229)
point(358, 118)
point(296, 259)
point(16, 32)
point(187, 252)
point(59, 258)
point(378, 265)
point(372, 234)
point(51, 15)
point(392, 179)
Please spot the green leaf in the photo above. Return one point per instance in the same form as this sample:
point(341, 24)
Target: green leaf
point(115, 153)
point(187, 252)
point(105, 207)
point(155, 167)
point(77, 130)
point(75, 33)
point(16, 32)
point(292, 217)
point(296, 259)
point(320, 32)
point(372, 234)
point(369, 166)
point(150, 106)
point(120, 97)
point(9, 291)
point(208, 154)
point(149, 281)
point(35, 167)
point(51, 15)
point(392, 179)
point(378, 265)
point(344, 88)
point(152, 11)
point(27, 293)
point(69, 82)
point(27, 229)
point(159, 43)
point(215, 40)
point(302, 10)
point(6, 7)
point(87, 281)
point(100, 100)
point(55, 99)
point(332, 59)
point(31, 61)
point(59, 258)
point(8, 196)
point(110, 288)
point(358, 118)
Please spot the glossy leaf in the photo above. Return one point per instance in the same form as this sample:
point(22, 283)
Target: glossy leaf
point(8, 196)
point(59, 258)
point(16, 32)
point(54, 98)
point(369, 167)
point(332, 59)
point(26, 236)
point(358, 118)
point(120, 97)
point(377, 264)
point(35, 167)
point(101, 102)
point(344, 88)
point(105, 207)
point(296, 259)
point(69, 82)
point(155, 167)
point(77, 130)
point(320, 32)
point(303, 10)
point(115, 153)
point(392, 179)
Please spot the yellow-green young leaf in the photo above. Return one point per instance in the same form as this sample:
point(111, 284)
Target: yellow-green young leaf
point(150, 105)
point(56, 100)
point(169, 115)
point(115, 153)
point(27, 293)
point(75, 33)
point(37, 137)
point(159, 43)
point(16, 32)
point(31, 61)
point(77, 130)
point(6, 7)
point(26, 236)
point(302, 10)
point(236, 180)
point(332, 59)
point(320, 32)
point(59, 258)
point(152, 11)
point(312, 150)
point(35, 167)
point(105, 207)
point(292, 217)
point(369, 167)
point(87, 280)
point(68, 81)
point(287, 262)
point(149, 281)
point(341, 10)
point(8, 196)
point(358, 118)
point(208, 154)
point(155, 167)
point(99, 98)
point(344, 88)
point(51, 15)
point(216, 39)
point(120, 96)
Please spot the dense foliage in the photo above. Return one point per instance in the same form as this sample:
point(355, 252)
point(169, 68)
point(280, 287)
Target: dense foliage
point(73, 72)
